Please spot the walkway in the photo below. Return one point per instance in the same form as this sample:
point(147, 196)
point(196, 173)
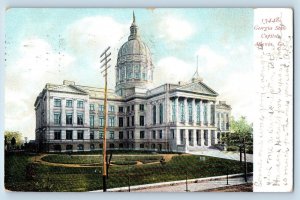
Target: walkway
point(193, 185)
point(222, 154)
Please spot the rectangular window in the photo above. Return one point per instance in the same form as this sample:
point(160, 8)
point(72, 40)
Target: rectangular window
point(69, 118)
point(121, 135)
point(92, 136)
point(80, 104)
point(142, 146)
point(121, 109)
point(111, 135)
point(121, 121)
point(57, 103)
point(181, 136)
point(101, 108)
point(132, 107)
point(141, 107)
point(154, 114)
point(153, 135)
point(57, 135)
point(111, 108)
point(80, 119)
point(128, 135)
point(142, 121)
point(57, 118)
point(69, 134)
point(69, 103)
point(111, 121)
point(128, 122)
point(132, 120)
point(128, 108)
point(79, 135)
point(132, 135)
point(160, 134)
point(92, 107)
point(142, 134)
point(101, 134)
point(101, 121)
point(161, 113)
point(92, 121)
point(172, 133)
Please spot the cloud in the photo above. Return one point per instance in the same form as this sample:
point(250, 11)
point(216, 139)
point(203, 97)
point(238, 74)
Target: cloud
point(88, 37)
point(175, 28)
point(172, 70)
point(36, 65)
point(239, 90)
point(209, 60)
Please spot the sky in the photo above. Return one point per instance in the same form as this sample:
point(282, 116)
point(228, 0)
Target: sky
point(51, 45)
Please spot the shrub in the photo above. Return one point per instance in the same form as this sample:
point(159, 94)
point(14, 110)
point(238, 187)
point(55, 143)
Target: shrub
point(232, 148)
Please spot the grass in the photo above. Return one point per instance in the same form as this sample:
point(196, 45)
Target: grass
point(55, 178)
point(92, 159)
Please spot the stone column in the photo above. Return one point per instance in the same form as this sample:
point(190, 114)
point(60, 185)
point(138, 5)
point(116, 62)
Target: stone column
point(157, 112)
point(177, 136)
point(208, 137)
point(186, 111)
point(194, 138)
point(74, 112)
point(201, 113)
point(215, 114)
point(208, 113)
point(186, 139)
point(216, 137)
point(194, 110)
point(201, 137)
point(63, 112)
point(177, 109)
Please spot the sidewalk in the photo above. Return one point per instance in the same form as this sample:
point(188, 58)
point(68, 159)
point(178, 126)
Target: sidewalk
point(192, 186)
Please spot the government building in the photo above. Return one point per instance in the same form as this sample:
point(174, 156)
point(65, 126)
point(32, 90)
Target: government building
point(172, 117)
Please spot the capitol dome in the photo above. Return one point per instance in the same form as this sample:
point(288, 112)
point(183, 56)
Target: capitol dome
point(134, 67)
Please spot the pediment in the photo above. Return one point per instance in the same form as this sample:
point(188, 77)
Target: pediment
point(69, 89)
point(198, 87)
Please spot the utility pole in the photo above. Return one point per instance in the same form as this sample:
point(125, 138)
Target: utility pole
point(105, 65)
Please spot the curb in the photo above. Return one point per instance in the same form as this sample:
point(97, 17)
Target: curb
point(172, 183)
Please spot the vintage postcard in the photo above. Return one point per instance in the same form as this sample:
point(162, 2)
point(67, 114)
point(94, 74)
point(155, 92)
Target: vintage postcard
point(149, 100)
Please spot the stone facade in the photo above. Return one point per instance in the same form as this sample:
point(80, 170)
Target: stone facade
point(172, 117)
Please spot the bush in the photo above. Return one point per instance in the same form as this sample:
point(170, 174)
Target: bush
point(232, 148)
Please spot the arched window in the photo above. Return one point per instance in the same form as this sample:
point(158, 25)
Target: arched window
point(80, 147)
point(57, 148)
point(92, 147)
point(69, 147)
point(154, 114)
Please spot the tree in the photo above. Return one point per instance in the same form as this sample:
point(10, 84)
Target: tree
point(9, 135)
point(240, 135)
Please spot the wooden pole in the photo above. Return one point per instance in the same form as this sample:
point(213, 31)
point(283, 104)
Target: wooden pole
point(104, 167)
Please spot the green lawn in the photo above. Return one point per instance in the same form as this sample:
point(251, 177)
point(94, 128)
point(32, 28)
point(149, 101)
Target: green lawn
point(53, 178)
point(92, 159)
